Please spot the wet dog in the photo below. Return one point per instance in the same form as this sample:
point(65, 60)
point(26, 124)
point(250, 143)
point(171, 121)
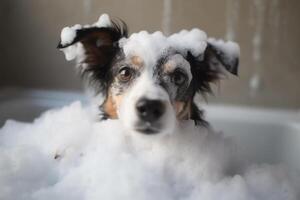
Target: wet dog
point(149, 81)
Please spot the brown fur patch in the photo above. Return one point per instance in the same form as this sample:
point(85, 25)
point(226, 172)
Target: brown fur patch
point(137, 61)
point(183, 110)
point(168, 67)
point(110, 107)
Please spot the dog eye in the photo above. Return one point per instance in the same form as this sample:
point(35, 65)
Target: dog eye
point(125, 74)
point(178, 78)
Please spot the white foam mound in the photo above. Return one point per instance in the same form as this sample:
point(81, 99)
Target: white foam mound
point(99, 160)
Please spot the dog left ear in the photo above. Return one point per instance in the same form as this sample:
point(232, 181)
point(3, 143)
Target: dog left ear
point(222, 55)
point(218, 58)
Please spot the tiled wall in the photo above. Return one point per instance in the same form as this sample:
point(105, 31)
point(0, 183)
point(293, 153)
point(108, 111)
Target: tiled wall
point(267, 30)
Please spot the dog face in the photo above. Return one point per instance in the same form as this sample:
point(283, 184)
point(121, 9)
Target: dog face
point(149, 80)
point(148, 95)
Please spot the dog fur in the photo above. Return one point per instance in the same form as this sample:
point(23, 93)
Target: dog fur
point(173, 78)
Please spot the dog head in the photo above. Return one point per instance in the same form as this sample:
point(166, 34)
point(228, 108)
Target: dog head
point(149, 80)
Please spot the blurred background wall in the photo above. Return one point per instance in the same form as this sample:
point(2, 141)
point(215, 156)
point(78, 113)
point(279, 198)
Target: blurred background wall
point(267, 30)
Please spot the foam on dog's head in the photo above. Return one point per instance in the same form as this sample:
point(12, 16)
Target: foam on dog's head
point(152, 45)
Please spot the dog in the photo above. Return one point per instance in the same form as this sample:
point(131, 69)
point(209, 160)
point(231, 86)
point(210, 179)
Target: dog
point(148, 80)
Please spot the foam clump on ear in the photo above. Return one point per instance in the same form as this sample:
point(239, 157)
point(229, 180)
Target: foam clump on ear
point(103, 21)
point(232, 49)
point(73, 51)
point(68, 34)
point(100, 160)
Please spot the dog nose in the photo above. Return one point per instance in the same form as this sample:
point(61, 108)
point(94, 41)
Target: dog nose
point(150, 110)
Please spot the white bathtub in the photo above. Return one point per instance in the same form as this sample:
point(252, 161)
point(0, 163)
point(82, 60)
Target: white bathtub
point(263, 135)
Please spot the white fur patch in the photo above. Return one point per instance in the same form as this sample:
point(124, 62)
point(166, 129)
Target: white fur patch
point(145, 87)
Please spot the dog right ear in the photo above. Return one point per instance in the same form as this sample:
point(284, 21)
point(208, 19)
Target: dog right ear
point(94, 49)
